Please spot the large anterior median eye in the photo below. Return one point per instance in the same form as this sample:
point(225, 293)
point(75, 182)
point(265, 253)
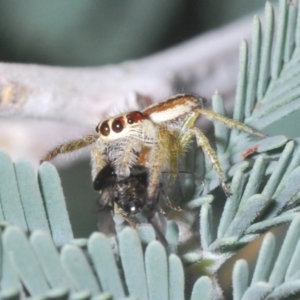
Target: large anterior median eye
point(117, 126)
point(104, 128)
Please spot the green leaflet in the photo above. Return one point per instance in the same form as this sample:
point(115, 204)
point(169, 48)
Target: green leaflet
point(43, 269)
point(271, 281)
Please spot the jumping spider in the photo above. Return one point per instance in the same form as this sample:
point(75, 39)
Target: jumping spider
point(154, 138)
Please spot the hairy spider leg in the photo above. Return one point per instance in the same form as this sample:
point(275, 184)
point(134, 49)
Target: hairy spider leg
point(165, 154)
point(202, 141)
point(71, 146)
point(97, 161)
point(233, 124)
point(127, 159)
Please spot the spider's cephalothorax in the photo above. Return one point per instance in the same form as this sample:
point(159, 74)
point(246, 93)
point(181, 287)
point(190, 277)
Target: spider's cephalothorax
point(130, 194)
point(154, 138)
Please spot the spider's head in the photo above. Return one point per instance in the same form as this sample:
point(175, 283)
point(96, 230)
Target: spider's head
point(120, 126)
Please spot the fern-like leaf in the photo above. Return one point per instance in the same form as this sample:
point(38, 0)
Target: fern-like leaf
point(271, 281)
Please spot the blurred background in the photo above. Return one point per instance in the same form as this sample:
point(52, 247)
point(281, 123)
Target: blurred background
point(92, 33)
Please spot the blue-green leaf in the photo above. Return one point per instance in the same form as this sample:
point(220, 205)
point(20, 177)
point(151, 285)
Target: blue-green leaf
point(56, 210)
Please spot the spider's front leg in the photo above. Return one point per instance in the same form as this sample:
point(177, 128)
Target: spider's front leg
point(164, 156)
point(126, 158)
point(97, 161)
point(203, 142)
point(71, 146)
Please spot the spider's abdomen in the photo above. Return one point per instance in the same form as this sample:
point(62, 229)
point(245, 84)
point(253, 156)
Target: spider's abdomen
point(174, 108)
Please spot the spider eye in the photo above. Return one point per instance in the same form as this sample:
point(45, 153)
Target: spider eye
point(134, 117)
point(117, 126)
point(97, 128)
point(104, 128)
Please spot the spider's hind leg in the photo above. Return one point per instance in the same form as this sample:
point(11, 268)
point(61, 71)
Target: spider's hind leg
point(203, 142)
point(233, 124)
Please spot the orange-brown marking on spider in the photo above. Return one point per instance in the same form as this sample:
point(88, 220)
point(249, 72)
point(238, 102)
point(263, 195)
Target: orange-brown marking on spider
point(135, 117)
